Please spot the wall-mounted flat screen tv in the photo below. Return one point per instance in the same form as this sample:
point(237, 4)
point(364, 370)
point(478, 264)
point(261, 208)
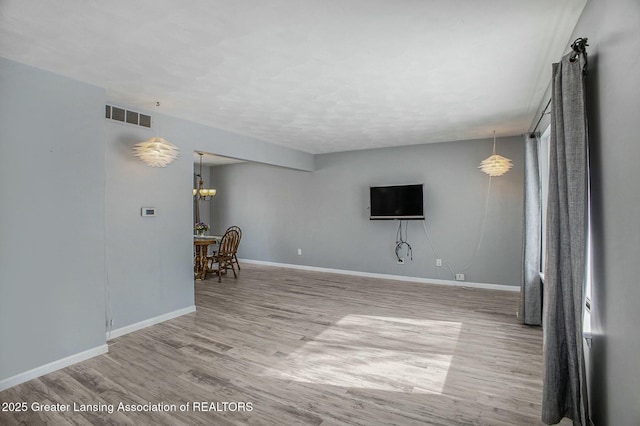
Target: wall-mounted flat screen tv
point(396, 202)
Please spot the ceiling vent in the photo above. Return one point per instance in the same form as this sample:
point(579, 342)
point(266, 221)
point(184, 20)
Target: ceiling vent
point(125, 116)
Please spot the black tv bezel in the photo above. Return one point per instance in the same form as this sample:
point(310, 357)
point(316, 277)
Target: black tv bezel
point(397, 217)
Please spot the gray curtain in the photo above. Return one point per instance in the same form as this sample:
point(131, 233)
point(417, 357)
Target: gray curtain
point(565, 387)
point(530, 311)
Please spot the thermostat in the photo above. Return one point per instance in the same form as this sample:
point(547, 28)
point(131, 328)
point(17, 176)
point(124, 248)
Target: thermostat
point(148, 211)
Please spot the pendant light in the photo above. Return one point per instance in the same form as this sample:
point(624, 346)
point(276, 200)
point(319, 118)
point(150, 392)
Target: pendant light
point(495, 165)
point(157, 151)
point(202, 193)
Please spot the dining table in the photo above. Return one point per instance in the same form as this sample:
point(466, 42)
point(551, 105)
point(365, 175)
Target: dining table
point(201, 244)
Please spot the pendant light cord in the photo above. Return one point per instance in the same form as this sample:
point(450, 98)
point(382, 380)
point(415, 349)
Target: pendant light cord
point(494, 142)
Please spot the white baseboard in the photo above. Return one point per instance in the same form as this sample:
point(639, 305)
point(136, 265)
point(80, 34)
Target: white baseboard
point(387, 276)
point(52, 366)
point(149, 322)
point(90, 353)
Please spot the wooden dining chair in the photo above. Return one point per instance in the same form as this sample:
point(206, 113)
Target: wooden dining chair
point(223, 259)
point(235, 252)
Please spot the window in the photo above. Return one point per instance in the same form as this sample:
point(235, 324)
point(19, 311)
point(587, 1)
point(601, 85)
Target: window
point(543, 164)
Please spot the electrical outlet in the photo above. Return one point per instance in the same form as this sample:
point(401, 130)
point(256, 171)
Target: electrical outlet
point(400, 261)
point(438, 262)
point(459, 277)
point(299, 252)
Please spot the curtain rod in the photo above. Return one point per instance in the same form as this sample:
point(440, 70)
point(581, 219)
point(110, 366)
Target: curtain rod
point(579, 46)
point(544, 111)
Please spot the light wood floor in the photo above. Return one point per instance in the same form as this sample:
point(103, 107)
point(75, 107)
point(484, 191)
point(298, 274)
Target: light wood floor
point(313, 348)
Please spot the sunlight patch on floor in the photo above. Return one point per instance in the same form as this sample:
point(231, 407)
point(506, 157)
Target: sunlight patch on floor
point(373, 352)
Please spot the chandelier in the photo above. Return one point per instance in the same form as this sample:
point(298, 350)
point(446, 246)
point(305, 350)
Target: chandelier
point(495, 165)
point(202, 193)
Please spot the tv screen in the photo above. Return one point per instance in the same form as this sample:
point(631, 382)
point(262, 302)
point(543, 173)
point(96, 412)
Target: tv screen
point(396, 202)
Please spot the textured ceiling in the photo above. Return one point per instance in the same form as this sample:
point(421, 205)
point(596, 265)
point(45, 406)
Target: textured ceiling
point(315, 75)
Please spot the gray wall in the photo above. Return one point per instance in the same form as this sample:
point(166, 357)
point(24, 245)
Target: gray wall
point(74, 248)
point(149, 260)
point(613, 90)
point(325, 212)
point(52, 238)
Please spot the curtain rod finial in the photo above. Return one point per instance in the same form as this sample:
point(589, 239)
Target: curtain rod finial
point(579, 46)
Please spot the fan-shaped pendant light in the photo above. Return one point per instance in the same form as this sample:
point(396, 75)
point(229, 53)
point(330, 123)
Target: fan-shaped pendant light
point(157, 151)
point(495, 165)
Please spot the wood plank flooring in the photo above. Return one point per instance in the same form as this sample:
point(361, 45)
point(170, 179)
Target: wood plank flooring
point(310, 348)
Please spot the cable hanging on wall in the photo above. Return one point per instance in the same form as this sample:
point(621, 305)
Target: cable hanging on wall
point(401, 241)
point(453, 270)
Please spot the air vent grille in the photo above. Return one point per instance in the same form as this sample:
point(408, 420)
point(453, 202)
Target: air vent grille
point(125, 116)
